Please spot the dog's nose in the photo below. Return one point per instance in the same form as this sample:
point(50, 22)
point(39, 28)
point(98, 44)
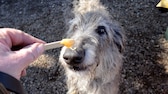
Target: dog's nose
point(74, 57)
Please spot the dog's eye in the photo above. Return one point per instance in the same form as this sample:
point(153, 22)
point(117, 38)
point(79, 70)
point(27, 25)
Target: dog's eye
point(101, 30)
point(75, 27)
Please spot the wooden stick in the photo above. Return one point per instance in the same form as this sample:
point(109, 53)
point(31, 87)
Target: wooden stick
point(52, 45)
point(64, 42)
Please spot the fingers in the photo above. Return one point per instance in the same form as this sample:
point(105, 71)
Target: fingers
point(16, 61)
point(29, 54)
point(17, 37)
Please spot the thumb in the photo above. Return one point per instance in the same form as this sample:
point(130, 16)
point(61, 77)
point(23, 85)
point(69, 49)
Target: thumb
point(30, 53)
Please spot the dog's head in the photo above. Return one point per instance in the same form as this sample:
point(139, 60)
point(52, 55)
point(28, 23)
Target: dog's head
point(97, 38)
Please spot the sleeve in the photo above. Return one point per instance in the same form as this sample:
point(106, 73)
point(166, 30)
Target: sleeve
point(11, 83)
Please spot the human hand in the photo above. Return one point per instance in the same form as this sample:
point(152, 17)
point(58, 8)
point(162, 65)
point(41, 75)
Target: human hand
point(14, 62)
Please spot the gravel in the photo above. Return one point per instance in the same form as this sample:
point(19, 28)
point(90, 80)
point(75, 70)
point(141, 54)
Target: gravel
point(145, 67)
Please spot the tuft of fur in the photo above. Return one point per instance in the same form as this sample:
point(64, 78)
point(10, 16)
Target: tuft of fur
point(103, 50)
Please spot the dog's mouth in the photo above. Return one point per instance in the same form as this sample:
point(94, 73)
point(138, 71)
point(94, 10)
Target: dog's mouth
point(78, 68)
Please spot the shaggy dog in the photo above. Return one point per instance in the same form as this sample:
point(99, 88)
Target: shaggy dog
point(93, 67)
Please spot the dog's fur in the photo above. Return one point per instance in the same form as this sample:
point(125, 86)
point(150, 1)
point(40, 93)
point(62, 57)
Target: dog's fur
point(100, 50)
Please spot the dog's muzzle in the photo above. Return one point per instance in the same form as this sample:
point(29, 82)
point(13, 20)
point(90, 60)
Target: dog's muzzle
point(74, 58)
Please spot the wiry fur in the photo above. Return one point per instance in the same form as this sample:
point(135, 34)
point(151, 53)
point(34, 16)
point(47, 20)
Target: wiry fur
point(103, 53)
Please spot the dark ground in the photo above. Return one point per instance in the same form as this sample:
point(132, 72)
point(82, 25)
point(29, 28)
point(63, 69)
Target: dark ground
point(145, 68)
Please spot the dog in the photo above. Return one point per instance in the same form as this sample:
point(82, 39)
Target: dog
point(94, 65)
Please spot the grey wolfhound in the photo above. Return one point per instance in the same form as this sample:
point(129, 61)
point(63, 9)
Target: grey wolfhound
point(93, 67)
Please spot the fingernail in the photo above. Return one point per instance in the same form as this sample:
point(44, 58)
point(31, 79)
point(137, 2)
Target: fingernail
point(40, 49)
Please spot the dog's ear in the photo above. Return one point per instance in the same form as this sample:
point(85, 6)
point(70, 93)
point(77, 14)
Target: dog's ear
point(118, 37)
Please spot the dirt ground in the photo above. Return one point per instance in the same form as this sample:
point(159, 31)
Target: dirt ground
point(145, 67)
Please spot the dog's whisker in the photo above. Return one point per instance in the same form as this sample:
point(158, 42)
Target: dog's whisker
point(73, 48)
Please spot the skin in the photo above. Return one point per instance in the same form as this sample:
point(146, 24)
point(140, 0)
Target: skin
point(15, 62)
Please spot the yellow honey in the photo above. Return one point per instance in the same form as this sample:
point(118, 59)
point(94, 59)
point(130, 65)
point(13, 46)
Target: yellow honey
point(67, 42)
point(163, 4)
